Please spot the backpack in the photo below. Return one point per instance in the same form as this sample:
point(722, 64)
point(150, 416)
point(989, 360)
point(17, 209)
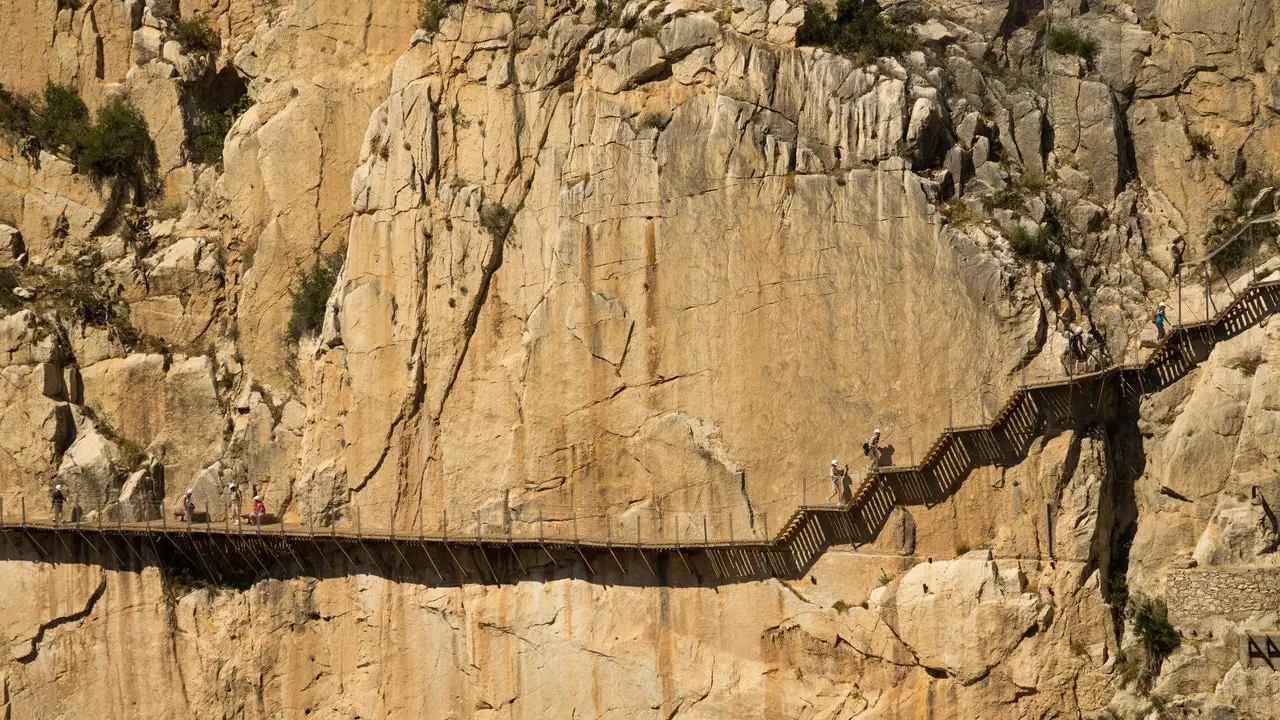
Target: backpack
point(866, 449)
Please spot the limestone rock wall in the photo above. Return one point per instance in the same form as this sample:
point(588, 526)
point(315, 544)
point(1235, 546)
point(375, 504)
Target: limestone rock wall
point(646, 264)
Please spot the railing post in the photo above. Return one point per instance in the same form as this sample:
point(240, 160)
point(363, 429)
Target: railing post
point(24, 510)
point(1, 511)
point(477, 513)
point(208, 523)
point(1206, 290)
point(391, 521)
point(911, 453)
point(764, 519)
point(1179, 295)
point(573, 512)
point(444, 523)
point(357, 522)
point(705, 540)
point(804, 491)
point(608, 530)
point(540, 536)
point(637, 530)
point(730, 526)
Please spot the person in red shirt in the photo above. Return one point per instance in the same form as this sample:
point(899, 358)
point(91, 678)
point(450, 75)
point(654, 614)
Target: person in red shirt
point(259, 510)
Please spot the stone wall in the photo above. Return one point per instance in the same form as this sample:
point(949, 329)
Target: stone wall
point(1194, 594)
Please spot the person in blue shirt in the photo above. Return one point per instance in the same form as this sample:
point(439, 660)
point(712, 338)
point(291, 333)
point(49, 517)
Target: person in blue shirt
point(1159, 320)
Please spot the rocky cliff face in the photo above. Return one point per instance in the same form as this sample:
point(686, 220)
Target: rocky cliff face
point(641, 265)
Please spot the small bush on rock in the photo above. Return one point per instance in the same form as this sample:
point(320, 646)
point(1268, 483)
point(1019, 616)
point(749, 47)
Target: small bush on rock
point(655, 120)
point(1066, 40)
point(1029, 245)
point(1201, 144)
point(858, 29)
point(311, 296)
point(496, 219)
point(195, 36)
point(433, 11)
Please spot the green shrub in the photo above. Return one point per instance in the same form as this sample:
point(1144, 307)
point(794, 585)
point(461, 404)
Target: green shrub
point(311, 296)
point(840, 606)
point(1008, 197)
point(858, 29)
point(1201, 144)
point(119, 146)
point(1151, 625)
point(655, 120)
point(1066, 40)
point(195, 36)
point(433, 11)
point(211, 128)
point(17, 114)
point(63, 122)
point(496, 219)
point(1029, 245)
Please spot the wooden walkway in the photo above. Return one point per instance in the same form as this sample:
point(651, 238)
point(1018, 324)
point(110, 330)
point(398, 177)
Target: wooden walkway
point(221, 552)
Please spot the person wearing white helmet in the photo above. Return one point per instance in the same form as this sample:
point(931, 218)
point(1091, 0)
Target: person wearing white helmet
point(872, 448)
point(188, 505)
point(1158, 320)
point(234, 502)
point(259, 510)
point(57, 497)
point(837, 482)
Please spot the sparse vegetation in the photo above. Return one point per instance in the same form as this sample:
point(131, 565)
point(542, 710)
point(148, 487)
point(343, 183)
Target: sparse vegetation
point(119, 145)
point(311, 296)
point(858, 29)
point(1066, 40)
point(884, 578)
point(840, 606)
point(1029, 245)
point(70, 4)
point(649, 30)
point(8, 281)
point(1201, 143)
point(16, 114)
point(496, 219)
point(958, 212)
point(962, 547)
point(1251, 197)
point(655, 120)
point(1009, 197)
point(1249, 363)
point(211, 128)
point(195, 36)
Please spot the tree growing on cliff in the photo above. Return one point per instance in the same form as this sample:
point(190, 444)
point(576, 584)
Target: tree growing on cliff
point(62, 123)
point(119, 146)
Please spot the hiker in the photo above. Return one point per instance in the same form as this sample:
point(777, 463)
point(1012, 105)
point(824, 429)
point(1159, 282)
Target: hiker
point(1077, 342)
point(837, 482)
point(1158, 319)
point(57, 497)
point(188, 506)
point(871, 448)
point(259, 510)
point(234, 501)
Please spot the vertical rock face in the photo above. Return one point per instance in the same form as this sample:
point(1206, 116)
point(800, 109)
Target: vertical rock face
point(636, 265)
